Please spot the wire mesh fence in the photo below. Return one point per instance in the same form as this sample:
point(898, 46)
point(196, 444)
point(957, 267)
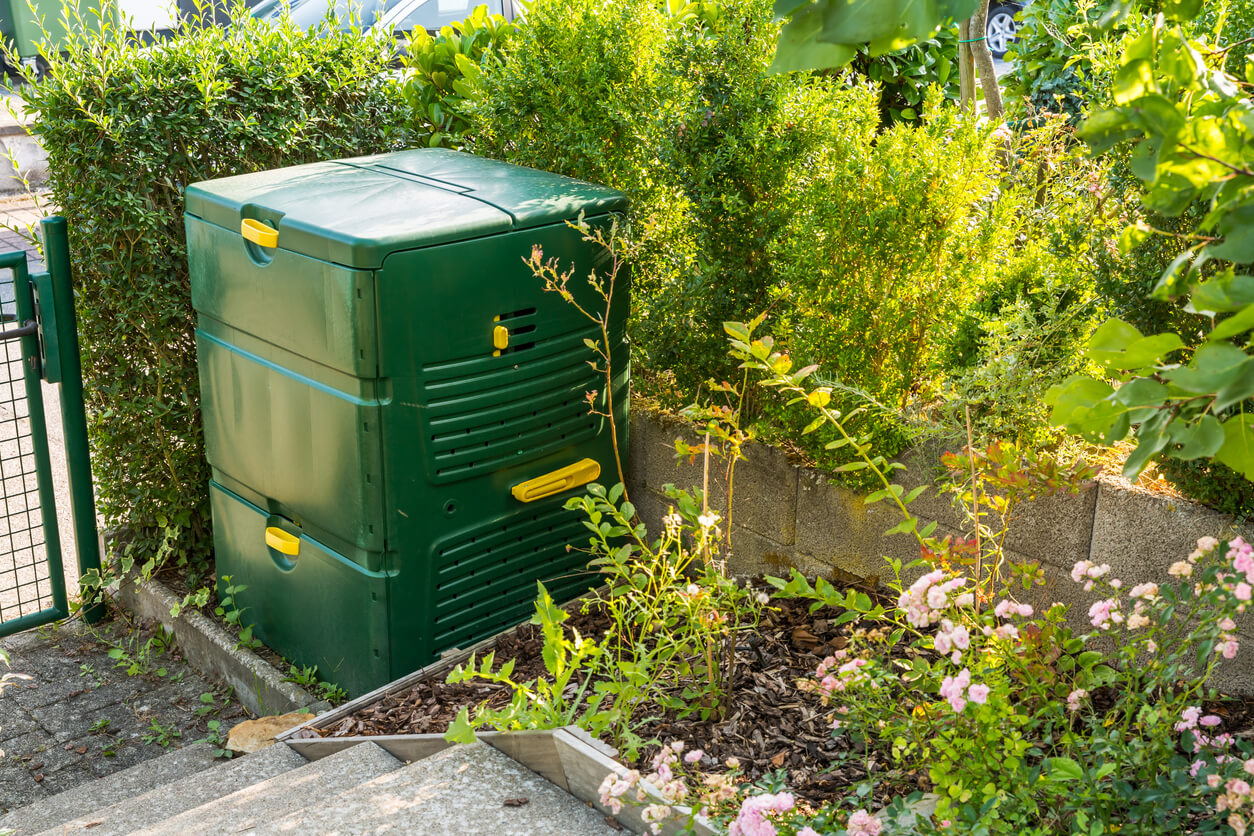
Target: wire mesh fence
point(25, 584)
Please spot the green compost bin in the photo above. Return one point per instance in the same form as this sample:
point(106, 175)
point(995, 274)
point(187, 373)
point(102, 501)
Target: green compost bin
point(394, 408)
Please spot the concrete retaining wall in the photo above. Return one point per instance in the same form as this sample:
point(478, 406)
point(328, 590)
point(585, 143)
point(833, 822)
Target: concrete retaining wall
point(786, 515)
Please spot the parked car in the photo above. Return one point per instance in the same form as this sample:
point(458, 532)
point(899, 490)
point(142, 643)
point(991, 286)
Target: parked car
point(1001, 27)
point(394, 16)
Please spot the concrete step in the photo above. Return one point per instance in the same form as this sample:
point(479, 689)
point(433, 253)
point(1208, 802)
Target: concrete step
point(83, 799)
point(246, 809)
point(461, 790)
point(173, 798)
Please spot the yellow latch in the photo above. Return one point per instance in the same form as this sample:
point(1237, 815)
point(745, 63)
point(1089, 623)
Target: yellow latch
point(282, 542)
point(259, 233)
point(500, 338)
point(571, 476)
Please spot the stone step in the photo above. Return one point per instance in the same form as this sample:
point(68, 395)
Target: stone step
point(85, 798)
point(246, 809)
point(461, 790)
point(173, 798)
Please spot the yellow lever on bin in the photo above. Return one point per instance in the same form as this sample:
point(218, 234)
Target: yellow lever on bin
point(258, 233)
point(572, 476)
point(283, 542)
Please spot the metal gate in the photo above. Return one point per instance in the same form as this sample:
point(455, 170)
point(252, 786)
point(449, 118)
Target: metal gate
point(39, 342)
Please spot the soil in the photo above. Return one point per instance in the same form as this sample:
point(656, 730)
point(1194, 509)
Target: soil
point(772, 725)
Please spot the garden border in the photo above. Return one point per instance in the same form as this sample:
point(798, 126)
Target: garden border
point(568, 757)
point(257, 684)
point(787, 515)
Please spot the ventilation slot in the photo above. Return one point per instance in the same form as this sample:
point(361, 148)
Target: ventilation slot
point(480, 421)
point(486, 581)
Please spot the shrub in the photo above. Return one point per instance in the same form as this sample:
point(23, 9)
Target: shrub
point(126, 129)
point(904, 77)
point(1025, 331)
point(1054, 66)
point(443, 71)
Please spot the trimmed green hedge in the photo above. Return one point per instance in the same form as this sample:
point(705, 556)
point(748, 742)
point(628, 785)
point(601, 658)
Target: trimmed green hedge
point(127, 128)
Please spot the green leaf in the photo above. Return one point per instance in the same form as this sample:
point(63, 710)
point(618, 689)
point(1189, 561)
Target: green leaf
point(799, 48)
point(1106, 129)
point(1141, 392)
point(1181, 10)
point(461, 730)
point(1198, 440)
point(1118, 346)
point(1075, 400)
point(1213, 366)
point(1223, 294)
point(1063, 769)
point(1132, 237)
point(1150, 440)
point(1238, 387)
point(1237, 246)
point(1238, 448)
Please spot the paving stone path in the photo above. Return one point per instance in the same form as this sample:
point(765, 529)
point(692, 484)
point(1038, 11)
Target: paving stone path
point(81, 717)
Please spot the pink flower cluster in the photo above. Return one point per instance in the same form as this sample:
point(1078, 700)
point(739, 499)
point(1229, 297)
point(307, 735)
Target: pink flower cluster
point(1006, 608)
point(924, 601)
point(958, 689)
point(862, 823)
point(1086, 571)
point(1074, 698)
point(670, 785)
point(952, 638)
point(838, 672)
point(752, 818)
point(1236, 795)
point(1228, 645)
point(1104, 612)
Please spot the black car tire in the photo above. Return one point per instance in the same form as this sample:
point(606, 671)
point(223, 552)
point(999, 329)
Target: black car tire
point(1001, 27)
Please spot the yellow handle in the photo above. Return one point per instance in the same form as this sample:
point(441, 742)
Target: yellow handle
point(258, 233)
point(500, 338)
point(571, 476)
point(283, 542)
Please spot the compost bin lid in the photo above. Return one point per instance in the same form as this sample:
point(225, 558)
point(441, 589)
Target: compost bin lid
point(357, 211)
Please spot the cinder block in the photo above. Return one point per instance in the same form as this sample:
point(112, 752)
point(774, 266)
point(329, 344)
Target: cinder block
point(764, 482)
point(836, 527)
point(1056, 529)
point(753, 554)
point(1141, 534)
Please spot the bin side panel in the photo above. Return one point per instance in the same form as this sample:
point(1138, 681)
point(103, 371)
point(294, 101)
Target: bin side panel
point(315, 608)
point(313, 308)
point(466, 424)
point(310, 449)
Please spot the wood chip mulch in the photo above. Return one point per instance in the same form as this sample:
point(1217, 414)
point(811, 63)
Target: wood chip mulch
point(772, 726)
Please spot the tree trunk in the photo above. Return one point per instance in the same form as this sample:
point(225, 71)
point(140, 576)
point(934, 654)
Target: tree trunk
point(966, 68)
point(984, 62)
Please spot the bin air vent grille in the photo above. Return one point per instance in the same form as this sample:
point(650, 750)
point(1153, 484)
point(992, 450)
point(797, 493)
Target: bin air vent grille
point(486, 413)
point(485, 579)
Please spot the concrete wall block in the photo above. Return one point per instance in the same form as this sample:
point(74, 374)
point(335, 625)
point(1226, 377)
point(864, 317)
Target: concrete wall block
point(753, 554)
point(1057, 529)
point(1140, 534)
point(765, 493)
point(765, 486)
point(836, 527)
point(660, 465)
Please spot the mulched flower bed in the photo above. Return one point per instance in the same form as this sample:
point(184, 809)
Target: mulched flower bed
point(772, 727)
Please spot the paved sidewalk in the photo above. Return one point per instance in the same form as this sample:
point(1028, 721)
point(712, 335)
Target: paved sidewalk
point(81, 717)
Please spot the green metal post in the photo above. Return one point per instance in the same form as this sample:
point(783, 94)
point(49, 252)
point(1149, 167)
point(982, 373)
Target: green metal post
point(73, 421)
